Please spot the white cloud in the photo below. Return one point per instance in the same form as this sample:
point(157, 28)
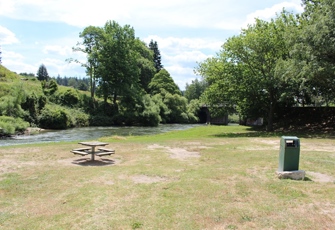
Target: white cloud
point(187, 57)
point(180, 55)
point(177, 43)
point(7, 37)
point(56, 49)
point(268, 13)
point(220, 14)
point(56, 66)
point(15, 62)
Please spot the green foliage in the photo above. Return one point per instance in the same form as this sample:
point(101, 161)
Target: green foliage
point(7, 76)
point(178, 107)
point(57, 117)
point(42, 73)
point(149, 114)
point(31, 105)
point(54, 117)
point(245, 74)
point(145, 64)
point(11, 125)
point(163, 81)
point(10, 105)
point(157, 55)
point(195, 89)
point(79, 118)
point(104, 120)
point(313, 53)
point(193, 109)
point(164, 111)
point(49, 87)
point(67, 97)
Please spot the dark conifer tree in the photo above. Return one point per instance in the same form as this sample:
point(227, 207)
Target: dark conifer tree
point(157, 55)
point(42, 73)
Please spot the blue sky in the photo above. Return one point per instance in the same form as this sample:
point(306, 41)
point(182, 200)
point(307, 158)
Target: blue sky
point(33, 32)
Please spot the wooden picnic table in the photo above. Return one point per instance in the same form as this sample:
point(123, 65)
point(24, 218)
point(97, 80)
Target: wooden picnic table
point(92, 150)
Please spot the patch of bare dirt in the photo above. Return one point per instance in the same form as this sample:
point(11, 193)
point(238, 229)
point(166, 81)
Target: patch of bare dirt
point(322, 147)
point(8, 165)
point(322, 178)
point(143, 179)
point(176, 153)
point(182, 154)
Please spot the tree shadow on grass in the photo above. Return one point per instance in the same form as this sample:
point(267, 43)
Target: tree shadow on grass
point(292, 131)
point(89, 162)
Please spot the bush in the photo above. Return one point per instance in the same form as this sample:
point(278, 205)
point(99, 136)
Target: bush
point(10, 125)
point(70, 98)
point(79, 118)
point(55, 118)
point(101, 120)
point(150, 114)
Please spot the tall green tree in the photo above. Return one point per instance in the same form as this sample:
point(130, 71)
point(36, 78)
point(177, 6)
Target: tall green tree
point(157, 55)
point(195, 89)
point(118, 70)
point(42, 73)
point(145, 63)
point(163, 81)
point(91, 44)
point(244, 73)
point(313, 49)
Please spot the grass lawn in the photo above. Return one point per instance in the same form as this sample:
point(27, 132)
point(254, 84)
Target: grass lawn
point(213, 177)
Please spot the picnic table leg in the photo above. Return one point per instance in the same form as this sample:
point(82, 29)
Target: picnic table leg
point(92, 152)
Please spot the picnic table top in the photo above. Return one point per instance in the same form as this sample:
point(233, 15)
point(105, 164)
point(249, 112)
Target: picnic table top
point(93, 143)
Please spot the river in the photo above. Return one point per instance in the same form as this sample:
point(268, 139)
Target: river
point(91, 133)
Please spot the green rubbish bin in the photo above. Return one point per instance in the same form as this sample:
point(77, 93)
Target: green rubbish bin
point(289, 153)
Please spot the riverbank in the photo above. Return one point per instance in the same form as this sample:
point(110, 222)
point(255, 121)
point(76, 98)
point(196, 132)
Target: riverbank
point(89, 133)
point(209, 177)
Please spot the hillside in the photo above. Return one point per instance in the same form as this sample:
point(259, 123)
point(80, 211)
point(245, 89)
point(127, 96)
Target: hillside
point(27, 102)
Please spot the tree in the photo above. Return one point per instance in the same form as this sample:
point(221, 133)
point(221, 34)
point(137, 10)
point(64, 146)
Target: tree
point(157, 56)
point(42, 73)
point(313, 49)
point(245, 73)
point(0, 56)
point(163, 81)
point(118, 71)
point(92, 37)
point(195, 89)
point(145, 63)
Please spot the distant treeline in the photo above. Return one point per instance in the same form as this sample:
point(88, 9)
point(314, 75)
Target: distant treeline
point(75, 82)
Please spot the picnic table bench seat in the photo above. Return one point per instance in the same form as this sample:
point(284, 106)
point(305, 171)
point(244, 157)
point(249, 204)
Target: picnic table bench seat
point(106, 150)
point(79, 152)
point(104, 153)
point(82, 149)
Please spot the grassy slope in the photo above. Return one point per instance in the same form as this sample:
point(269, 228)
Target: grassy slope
point(232, 185)
point(9, 80)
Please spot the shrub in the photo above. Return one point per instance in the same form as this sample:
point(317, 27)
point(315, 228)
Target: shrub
point(54, 117)
point(150, 112)
point(101, 120)
point(70, 98)
point(79, 118)
point(10, 125)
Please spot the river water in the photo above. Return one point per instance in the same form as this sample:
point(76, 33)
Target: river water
point(91, 133)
